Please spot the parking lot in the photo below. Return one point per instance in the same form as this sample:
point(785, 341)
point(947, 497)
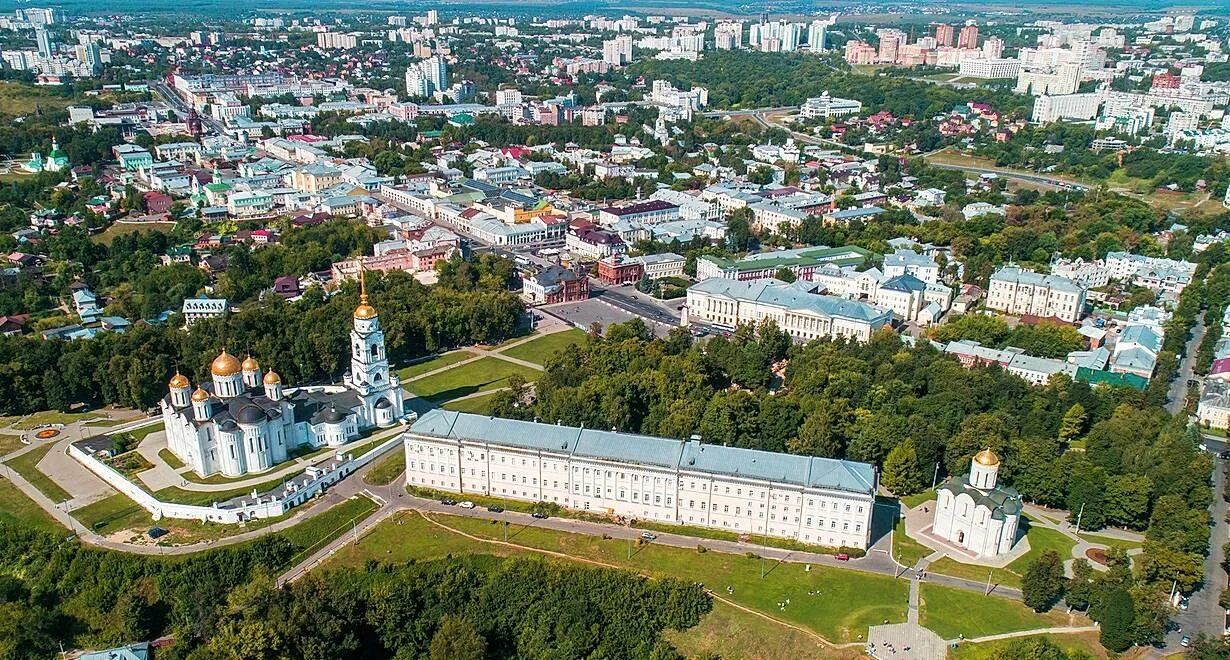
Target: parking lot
point(586, 313)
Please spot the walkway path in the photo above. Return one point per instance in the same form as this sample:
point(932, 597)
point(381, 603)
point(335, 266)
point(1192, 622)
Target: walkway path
point(1061, 630)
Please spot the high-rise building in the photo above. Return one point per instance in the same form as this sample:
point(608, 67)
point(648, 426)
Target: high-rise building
point(728, 36)
point(93, 56)
point(968, 37)
point(817, 33)
point(433, 17)
point(617, 51)
point(416, 82)
point(45, 45)
point(993, 47)
point(778, 36)
point(435, 70)
point(943, 34)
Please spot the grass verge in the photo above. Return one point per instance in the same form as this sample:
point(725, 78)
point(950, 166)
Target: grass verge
point(836, 603)
point(431, 364)
point(951, 612)
point(906, 550)
point(539, 349)
point(27, 466)
point(16, 507)
point(482, 375)
point(386, 470)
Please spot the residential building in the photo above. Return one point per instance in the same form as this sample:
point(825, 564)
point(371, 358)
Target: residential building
point(195, 309)
point(801, 263)
point(1015, 290)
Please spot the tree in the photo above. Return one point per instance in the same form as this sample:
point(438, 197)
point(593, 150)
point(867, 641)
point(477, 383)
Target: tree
point(1118, 616)
point(902, 475)
point(1043, 583)
point(1127, 500)
point(1086, 495)
point(784, 274)
point(1080, 585)
point(457, 639)
point(1032, 648)
point(1073, 423)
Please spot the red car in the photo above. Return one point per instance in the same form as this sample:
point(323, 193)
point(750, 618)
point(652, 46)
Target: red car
point(841, 556)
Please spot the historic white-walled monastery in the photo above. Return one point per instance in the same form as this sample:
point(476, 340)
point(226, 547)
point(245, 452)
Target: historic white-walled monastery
point(242, 422)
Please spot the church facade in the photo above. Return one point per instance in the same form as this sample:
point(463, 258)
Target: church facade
point(975, 513)
point(243, 421)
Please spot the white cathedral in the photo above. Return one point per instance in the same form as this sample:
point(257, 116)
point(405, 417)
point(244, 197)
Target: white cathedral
point(243, 422)
point(975, 513)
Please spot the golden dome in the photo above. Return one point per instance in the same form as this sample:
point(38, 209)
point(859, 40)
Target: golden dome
point(272, 378)
point(225, 365)
point(200, 395)
point(250, 363)
point(986, 457)
point(178, 380)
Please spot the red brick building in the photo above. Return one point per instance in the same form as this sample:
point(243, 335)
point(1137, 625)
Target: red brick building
point(618, 269)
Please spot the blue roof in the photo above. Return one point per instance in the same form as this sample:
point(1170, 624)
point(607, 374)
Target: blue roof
point(689, 456)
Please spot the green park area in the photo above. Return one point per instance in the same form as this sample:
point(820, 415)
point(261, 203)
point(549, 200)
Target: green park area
point(27, 466)
point(906, 550)
point(838, 604)
point(539, 349)
point(386, 470)
point(1040, 538)
point(431, 364)
point(482, 375)
point(479, 405)
point(1076, 645)
point(16, 507)
point(952, 612)
point(10, 443)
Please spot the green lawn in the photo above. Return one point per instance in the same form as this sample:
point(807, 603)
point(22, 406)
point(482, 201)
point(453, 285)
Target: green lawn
point(1110, 541)
point(20, 98)
point(16, 507)
point(838, 604)
point(386, 470)
point(538, 350)
point(46, 417)
point(438, 362)
point(27, 466)
point(485, 374)
point(911, 501)
point(328, 525)
point(205, 498)
point(728, 632)
point(10, 444)
point(479, 405)
point(143, 432)
point(906, 550)
point(112, 514)
point(1077, 645)
point(171, 459)
point(1041, 539)
point(951, 612)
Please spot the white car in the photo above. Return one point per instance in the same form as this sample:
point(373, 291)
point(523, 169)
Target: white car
point(466, 504)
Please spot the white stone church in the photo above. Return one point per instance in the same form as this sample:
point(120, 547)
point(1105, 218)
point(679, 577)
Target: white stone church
point(242, 422)
point(976, 514)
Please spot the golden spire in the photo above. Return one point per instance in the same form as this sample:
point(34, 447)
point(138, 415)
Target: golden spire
point(364, 310)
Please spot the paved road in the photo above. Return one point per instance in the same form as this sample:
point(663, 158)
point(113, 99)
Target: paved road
point(1177, 395)
point(1037, 179)
point(751, 111)
point(1204, 615)
point(635, 303)
point(178, 104)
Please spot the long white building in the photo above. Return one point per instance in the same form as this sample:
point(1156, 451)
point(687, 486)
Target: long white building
point(1015, 290)
point(810, 499)
point(795, 308)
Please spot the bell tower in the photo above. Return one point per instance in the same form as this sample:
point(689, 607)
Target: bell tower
point(369, 364)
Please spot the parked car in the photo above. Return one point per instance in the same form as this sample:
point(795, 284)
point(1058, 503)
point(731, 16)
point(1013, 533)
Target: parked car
point(539, 515)
point(841, 556)
point(466, 505)
point(448, 501)
point(1186, 641)
point(495, 508)
point(156, 532)
point(648, 536)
